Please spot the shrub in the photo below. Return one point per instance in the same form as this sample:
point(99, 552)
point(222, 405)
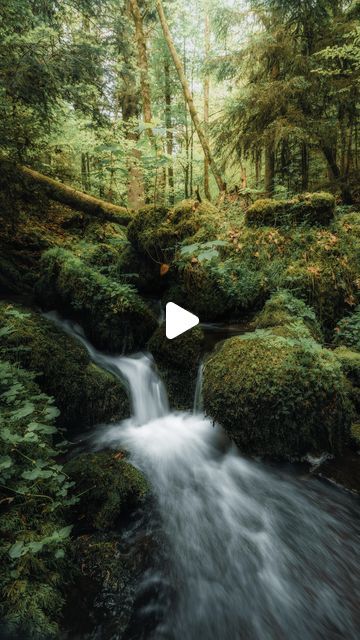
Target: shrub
point(348, 330)
point(34, 499)
point(310, 208)
point(113, 315)
point(108, 487)
point(278, 395)
point(84, 393)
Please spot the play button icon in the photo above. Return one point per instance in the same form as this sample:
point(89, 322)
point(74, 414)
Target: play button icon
point(178, 320)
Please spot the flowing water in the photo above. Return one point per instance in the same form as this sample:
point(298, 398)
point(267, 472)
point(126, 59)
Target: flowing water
point(251, 552)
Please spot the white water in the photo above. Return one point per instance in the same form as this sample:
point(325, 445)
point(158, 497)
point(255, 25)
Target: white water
point(252, 552)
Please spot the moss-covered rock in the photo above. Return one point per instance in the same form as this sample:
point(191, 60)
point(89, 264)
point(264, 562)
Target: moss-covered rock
point(156, 231)
point(84, 393)
point(108, 486)
point(350, 364)
point(283, 309)
point(310, 208)
point(348, 330)
point(278, 396)
point(113, 315)
point(178, 362)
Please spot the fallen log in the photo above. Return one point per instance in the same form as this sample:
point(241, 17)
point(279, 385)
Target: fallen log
point(77, 199)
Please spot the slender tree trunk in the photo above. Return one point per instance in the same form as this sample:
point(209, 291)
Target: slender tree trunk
point(143, 62)
point(304, 167)
point(341, 180)
point(187, 139)
point(135, 187)
point(188, 97)
point(270, 168)
point(206, 103)
point(169, 133)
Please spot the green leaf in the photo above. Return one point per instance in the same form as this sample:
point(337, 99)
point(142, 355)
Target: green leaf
point(5, 462)
point(17, 550)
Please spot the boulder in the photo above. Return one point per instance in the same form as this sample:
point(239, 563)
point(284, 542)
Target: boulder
point(280, 395)
point(313, 209)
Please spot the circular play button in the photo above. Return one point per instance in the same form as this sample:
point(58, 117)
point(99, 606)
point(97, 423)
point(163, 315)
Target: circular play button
point(178, 320)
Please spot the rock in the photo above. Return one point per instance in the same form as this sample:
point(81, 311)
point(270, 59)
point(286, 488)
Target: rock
point(84, 393)
point(108, 486)
point(178, 362)
point(113, 315)
point(278, 395)
point(350, 364)
point(283, 309)
point(309, 208)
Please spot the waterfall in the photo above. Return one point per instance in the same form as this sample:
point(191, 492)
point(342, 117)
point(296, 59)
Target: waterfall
point(198, 397)
point(252, 551)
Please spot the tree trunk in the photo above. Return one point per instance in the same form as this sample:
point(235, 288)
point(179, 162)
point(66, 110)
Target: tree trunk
point(143, 62)
point(304, 167)
point(169, 133)
point(206, 104)
point(188, 97)
point(330, 156)
point(270, 168)
point(76, 199)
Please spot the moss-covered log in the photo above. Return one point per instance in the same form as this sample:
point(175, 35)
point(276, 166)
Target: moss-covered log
point(76, 199)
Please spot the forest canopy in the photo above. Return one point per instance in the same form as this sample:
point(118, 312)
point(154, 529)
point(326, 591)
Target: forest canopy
point(261, 96)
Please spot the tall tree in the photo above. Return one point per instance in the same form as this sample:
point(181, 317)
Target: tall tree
point(189, 98)
point(206, 100)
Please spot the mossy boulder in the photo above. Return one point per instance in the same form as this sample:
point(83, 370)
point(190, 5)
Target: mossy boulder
point(156, 231)
point(178, 362)
point(314, 209)
point(283, 308)
point(278, 396)
point(109, 486)
point(348, 330)
point(113, 315)
point(350, 364)
point(84, 393)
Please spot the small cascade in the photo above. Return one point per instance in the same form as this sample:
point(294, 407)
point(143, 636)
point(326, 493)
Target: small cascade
point(198, 397)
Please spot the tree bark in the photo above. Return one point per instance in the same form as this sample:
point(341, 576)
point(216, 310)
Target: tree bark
point(206, 104)
point(169, 133)
point(76, 199)
point(143, 63)
point(341, 180)
point(189, 99)
point(304, 167)
point(270, 168)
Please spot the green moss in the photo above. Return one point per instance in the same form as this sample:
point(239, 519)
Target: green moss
point(178, 361)
point(108, 486)
point(283, 309)
point(113, 315)
point(348, 330)
point(156, 231)
point(310, 208)
point(278, 396)
point(350, 364)
point(84, 393)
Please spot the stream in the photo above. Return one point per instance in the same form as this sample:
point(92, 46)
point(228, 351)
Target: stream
point(252, 551)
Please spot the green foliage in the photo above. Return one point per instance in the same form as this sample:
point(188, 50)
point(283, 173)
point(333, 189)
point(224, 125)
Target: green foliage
point(34, 497)
point(108, 487)
point(278, 393)
point(112, 314)
point(84, 393)
point(348, 330)
point(310, 209)
point(283, 309)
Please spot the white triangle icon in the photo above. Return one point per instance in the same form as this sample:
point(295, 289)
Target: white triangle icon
point(178, 320)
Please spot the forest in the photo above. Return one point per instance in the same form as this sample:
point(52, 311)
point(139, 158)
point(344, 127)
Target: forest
point(205, 154)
